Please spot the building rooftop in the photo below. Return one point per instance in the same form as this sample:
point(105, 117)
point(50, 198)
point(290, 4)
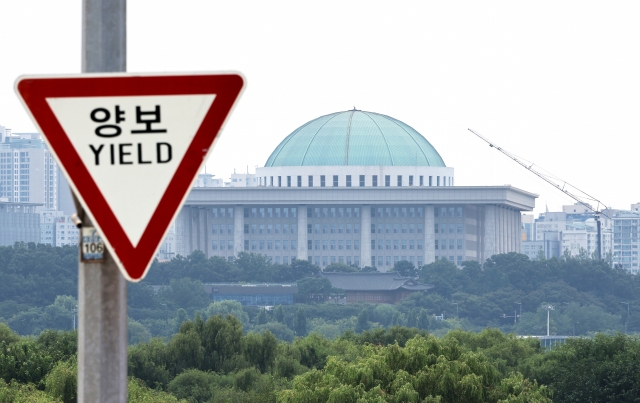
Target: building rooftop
point(355, 138)
point(374, 282)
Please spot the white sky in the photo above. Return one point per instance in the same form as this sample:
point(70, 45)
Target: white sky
point(555, 82)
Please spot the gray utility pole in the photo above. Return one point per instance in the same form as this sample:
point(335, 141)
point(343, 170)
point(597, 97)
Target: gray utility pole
point(549, 308)
point(102, 290)
point(626, 320)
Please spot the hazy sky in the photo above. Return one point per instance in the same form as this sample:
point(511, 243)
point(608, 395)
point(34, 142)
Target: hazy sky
point(555, 82)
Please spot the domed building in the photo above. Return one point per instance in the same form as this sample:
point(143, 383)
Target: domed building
point(353, 187)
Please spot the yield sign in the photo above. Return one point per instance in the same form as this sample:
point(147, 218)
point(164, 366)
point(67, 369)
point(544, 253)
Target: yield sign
point(131, 146)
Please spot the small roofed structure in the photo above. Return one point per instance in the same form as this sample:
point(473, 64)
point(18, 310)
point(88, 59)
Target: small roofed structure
point(386, 288)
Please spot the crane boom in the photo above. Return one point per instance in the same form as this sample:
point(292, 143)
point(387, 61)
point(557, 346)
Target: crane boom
point(558, 184)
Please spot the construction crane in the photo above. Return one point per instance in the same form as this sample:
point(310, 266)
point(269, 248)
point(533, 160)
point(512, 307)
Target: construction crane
point(563, 186)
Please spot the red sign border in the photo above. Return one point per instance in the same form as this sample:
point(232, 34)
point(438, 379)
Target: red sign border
point(134, 262)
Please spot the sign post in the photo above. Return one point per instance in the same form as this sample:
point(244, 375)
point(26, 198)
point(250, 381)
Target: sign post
point(130, 146)
point(102, 290)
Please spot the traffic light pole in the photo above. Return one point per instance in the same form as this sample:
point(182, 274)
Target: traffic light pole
point(102, 290)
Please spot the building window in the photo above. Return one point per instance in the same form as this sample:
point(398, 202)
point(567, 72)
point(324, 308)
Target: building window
point(348, 180)
point(272, 181)
point(246, 228)
point(459, 244)
point(430, 180)
point(361, 180)
point(335, 180)
point(399, 180)
point(387, 180)
point(437, 181)
point(374, 180)
point(310, 181)
point(299, 181)
point(279, 181)
point(356, 244)
point(410, 180)
point(288, 181)
point(421, 180)
point(322, 182)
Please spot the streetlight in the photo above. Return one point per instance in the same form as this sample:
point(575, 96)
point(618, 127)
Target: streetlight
point(548, 308)
point(520, 315)
point(574, 328)
point(456, 304)
point(515, 316)
point(627, 319)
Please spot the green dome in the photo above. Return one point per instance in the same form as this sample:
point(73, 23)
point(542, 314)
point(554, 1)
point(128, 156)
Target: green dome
point(355, 138)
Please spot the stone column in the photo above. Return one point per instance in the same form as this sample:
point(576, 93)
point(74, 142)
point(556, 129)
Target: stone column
point(193, 230)
point(365, 236)
point(509, 224)
point(203, 233)
point(503, 232)
point(489, 231)
point(429, 235)
point(302, 253)
point(238, 230)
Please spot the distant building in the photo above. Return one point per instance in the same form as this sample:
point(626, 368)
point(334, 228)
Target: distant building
point(19, 222)
point(626, 242)
point(57, 229)
point(253, 294)
point(29, 174)
point(352, 187)
point(375, 287)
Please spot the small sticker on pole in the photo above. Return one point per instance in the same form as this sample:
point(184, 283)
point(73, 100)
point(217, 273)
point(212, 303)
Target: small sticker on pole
point(91, 246)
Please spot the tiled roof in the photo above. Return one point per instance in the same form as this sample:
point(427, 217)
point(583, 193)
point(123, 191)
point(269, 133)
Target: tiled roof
point(373, 282)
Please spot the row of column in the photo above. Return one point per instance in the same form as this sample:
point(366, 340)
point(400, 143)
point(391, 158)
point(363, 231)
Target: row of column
point(500, 231)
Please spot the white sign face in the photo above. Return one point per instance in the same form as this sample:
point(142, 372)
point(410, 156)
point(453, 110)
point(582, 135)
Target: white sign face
point(132, 147)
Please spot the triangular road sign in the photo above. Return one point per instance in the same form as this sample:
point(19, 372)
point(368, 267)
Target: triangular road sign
point(131, 146)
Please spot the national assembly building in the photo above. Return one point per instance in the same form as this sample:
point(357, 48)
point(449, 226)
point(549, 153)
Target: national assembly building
point(352, 187)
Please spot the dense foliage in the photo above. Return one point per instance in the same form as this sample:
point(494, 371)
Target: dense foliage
point(213, 361)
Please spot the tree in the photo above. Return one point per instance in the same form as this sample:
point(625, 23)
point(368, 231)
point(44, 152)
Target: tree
point(423, 320)
point(278, 314)
point(300, 323)
point(261, 319)
point(340, 268)
point(405, 269)
point(363, 321)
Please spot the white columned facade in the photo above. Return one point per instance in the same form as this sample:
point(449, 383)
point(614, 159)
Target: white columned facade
point(238, 230)
point(429, 234)
point(365, 236)
point(489, 231)
point(302, 253)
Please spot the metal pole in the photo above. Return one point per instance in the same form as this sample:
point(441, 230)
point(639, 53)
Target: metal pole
point(548, 310)
point(102, 290)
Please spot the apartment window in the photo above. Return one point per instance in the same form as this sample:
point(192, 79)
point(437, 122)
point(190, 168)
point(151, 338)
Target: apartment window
point(310, 181)
point(322, 183)
point(335, 180)
point(421, 180)
point(459, 244)
point(279, 181)
point(361, 180)
point(430, 180)
point(246, 245)
point(299, 181)
point(309, 229)
point(288, 181)
point(374, 180)
point(387, 180)
point(348, 180)
point(437, 181)
point(410, 180)
point(272, 181)
point(436, 244)
point(399, 180)
point(246, 228)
